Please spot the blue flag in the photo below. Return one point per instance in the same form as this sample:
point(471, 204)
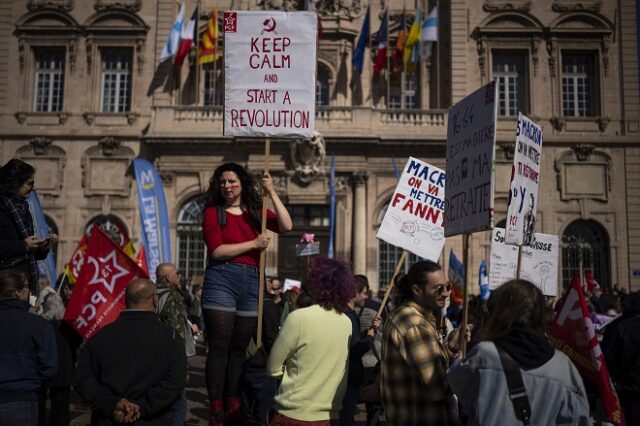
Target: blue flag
point(456, 276)
point(332, 205)
point(484, 281)
point(46, 267)
point(363, 42)
point(396, 171)
point(153, 215)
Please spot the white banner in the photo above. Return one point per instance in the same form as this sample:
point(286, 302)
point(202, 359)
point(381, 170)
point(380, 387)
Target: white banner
point(525, 180)
point(270, 73)
point(414, 218)
point(470, 163)
point(538, 262)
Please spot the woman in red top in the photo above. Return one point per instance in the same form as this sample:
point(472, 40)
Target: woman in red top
point(230, 292)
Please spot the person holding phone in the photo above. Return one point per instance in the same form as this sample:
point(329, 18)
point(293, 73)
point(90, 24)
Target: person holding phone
point(20, 248)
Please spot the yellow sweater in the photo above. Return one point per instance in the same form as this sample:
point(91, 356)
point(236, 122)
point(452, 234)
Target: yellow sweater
point(313, 347)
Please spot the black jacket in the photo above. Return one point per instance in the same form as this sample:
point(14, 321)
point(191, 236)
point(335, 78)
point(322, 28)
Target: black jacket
point(360, 344)
point(622, 354)
point(28, 352)
point(137, 358)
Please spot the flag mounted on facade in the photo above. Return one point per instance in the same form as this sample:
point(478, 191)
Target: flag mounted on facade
point(187, 36)
point(363, 42)
point(381, 41)
point(398, 54)
point(456, 278)
point(411, 52)
point(429, 34)
point(98, 296)
point(573, 333)
point(208, 49)
point(173, 41)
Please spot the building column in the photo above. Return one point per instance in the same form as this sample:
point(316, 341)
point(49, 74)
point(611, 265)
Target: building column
point(360, 222)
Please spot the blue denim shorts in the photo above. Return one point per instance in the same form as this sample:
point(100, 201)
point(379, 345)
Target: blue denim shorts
point(232, 287)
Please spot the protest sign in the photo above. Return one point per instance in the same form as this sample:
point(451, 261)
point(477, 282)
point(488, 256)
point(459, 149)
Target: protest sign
point(538, 262)
point(270, 73)
point(525, 180)
point(414, 218)
point(470, 163)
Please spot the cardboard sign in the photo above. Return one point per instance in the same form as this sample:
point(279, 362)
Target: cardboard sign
point(538, 262)
point(307, 249)
point(471, 137)
point(270, 73)
point(414, 218)
point(525, 180)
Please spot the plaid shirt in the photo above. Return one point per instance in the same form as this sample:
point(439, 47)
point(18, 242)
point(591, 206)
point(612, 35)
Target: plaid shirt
point(414, 384)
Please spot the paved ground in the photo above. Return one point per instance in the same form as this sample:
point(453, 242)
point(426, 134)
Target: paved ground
point(198, 409)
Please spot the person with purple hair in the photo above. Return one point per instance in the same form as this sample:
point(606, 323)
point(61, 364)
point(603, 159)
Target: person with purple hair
point(313, 347)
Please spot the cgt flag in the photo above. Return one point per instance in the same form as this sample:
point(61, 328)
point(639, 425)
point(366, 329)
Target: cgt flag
point(153, 215)
point(573, 333)
point(98, 296)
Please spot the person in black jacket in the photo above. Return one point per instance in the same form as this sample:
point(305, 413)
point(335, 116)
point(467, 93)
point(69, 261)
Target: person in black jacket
point(361, 343)
point(133, 369)
point(28, 352)
point(19, 247)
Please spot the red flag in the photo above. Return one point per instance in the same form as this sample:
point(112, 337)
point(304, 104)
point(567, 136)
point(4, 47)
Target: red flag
point(186, 39)
point(590, 282)
point(573, 333)
point(77, 260)
point(98, 296)
point(141, 261)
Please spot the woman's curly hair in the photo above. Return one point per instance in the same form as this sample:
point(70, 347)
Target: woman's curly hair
point(331, 283)
point(249, 195)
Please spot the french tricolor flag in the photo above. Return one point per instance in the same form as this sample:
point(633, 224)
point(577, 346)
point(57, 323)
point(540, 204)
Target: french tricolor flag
point(381, 55)
point(187, 36)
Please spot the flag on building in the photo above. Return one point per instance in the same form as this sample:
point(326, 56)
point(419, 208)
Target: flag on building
point(363, 42)
point(456, 278)
point(411, 47)
point(98, 296)
point(573, 333)
point(381, 41)
point(208, 49)
point(485, 292)
point(187, 36)
point(398, 54)
point(429, 34)
point(173, 41)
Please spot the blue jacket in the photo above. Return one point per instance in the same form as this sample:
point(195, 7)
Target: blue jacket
point(28, 352)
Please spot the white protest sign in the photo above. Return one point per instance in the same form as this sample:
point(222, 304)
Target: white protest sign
point(270, 73)
point(470, 163)
point(414, 218)
point(538, 262)
point(525, 180)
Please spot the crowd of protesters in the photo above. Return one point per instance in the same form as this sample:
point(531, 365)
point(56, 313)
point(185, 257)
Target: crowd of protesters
point(326, 346)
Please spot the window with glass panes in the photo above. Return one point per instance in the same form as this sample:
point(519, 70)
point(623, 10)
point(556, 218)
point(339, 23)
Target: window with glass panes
point(585, 246)
point(192, 252)
point(509, 72)
point(578, 85)
point(213, 84)
point(116, 79)
point(388, 256)
point(322, 86)
point(49, 80)
point(404, 93)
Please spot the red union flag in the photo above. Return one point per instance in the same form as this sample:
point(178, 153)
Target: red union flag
point(98, 296)
point(573, 333)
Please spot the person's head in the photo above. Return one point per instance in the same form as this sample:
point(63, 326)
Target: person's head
point(632, 303)
point(331, 284)
point(231, 184)
point(16, 178)
point(141, 294)
point(13, 285)
point(597, 291)
point(517, 304)
point(42, 284)
point(362, 290)
point(424, 284)
point(168, 273)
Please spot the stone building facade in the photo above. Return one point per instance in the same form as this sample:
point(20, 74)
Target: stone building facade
point(83, 92)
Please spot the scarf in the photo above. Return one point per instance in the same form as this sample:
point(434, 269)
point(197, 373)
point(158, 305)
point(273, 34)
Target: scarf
point(19, 211)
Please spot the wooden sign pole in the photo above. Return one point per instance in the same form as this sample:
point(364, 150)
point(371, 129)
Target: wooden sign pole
point(263, 253)
point(391, 283)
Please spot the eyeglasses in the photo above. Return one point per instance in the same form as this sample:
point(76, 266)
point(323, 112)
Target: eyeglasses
point(440, 287)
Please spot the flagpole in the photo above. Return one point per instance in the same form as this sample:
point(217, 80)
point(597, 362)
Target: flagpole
point(263, 252)
point(388, 76)
point(196, 42)
point(437, 67)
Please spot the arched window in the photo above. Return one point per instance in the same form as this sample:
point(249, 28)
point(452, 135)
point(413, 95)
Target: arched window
point(586, 243)
point(113, 226)
point(192, 253)
point(322, 85)
point(388, 256)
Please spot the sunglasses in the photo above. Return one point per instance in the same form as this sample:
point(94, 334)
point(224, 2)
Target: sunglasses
point(440, 287)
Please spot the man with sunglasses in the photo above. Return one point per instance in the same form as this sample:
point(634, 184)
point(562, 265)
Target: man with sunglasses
point(415, 358)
